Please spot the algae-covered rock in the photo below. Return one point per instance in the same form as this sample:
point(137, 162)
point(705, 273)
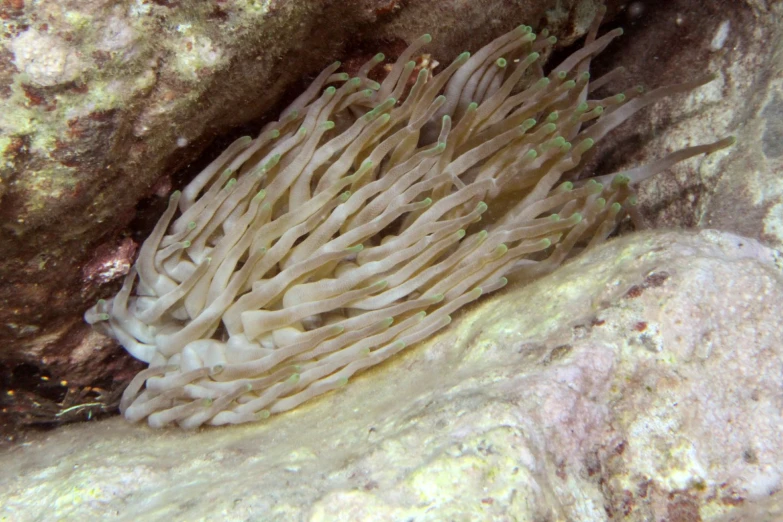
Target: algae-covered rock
point(638, 382)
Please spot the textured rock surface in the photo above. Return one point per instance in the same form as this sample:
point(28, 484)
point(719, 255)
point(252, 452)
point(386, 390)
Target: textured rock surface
point(740, 190)
point(639, 382)
point(103, 101)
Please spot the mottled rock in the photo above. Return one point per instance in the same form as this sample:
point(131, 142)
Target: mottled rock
point(639, 382)
point(739, 190)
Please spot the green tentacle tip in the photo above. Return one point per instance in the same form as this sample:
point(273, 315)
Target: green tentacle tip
point(566, 186)
point(577, 217)
point(342, 381)
point(620, 31)
point(615, 208)
point(562, 75)
point(437, 298)
point(594, 187)
point(584, 76)
point(620, 180)
point(261, 194)
point(582, 107)
point(186, 244)
point(501, 62)
point(463, 57)
point(230, 184)
point(355, 249)
point(460, 233)
point(632, 201)
point(426, 38)
point(217, 369)
point(272, 161)
point(500, 250)
point(327, 125)
point(481, 207)
point(532, 57)
point(553, 116)
point(330, 90)
point(175, 194)
point(570, 84)
point(104, 317)
point(545, 243)
point(410, 64)
point(191, 225)
point(387, 322)
point(383, 283)
point(262, 415)
point(600, 202)
point(344, 196)
point(554, 218)
point(274, 134)
point(586, 144)
point(472, 106)
point(379, 57)
point(343, 76)
point(337, 63)
point(552, 40)
point(531, 154)
point(293, 379)
point(426, 202)
point(619, 98)
point(226, 173)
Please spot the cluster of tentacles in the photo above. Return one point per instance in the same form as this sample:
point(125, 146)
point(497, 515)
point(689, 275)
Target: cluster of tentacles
point(356, 225)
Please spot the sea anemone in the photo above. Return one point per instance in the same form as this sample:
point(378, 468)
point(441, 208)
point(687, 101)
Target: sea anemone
point(356, 224)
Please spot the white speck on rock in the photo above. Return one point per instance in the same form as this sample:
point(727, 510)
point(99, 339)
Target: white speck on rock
point(719, 39)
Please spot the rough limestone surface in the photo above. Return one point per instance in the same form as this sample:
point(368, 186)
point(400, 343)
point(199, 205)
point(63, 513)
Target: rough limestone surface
point(105, 101)
point(741, 189)
point(639, 382)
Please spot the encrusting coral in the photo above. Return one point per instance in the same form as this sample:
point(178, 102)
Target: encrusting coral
point(356, 225)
